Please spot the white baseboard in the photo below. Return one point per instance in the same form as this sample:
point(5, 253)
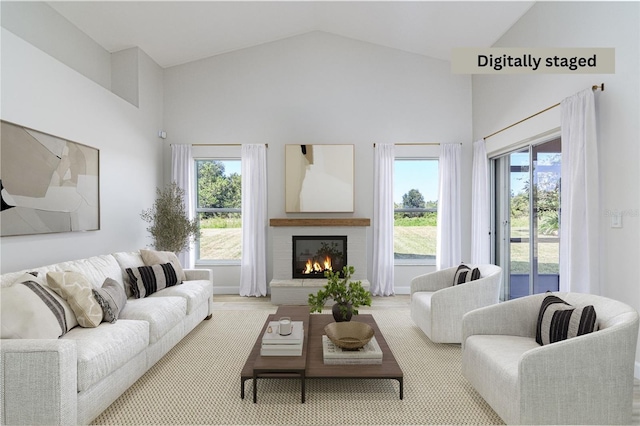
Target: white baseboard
point(226, 290)
point(402, 290)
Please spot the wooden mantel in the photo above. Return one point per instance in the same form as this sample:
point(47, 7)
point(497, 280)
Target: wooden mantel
point(358, 221)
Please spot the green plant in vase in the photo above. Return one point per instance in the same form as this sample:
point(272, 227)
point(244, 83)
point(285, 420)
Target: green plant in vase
point(347, 295)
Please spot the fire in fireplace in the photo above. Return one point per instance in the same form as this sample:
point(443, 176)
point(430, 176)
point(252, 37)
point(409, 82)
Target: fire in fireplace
point(313, 255)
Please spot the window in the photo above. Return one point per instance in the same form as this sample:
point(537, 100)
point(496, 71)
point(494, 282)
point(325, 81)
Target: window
point(218, 208)
point(415, 196)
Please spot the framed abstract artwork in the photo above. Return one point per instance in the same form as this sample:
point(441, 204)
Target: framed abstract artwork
point(319, 178)
point(48, 184)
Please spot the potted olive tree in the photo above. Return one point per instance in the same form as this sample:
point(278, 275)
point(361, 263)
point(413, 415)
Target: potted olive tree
point(170, 227)
point(347, 295)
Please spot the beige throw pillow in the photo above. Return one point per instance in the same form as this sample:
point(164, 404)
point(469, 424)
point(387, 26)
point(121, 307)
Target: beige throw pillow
point(78, 292)
point(153, 257)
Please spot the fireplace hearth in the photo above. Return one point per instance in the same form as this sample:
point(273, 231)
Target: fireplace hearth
point(315, 254)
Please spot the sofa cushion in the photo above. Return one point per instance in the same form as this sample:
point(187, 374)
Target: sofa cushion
point(162, 313)
point(146, 280)
point(195, 292)
point(29, 309)
point(104, 349)
point(77, 291)
point(558, 320)
point(464, 274)
point(95, 269)
point(153, 257)
point(111, 298)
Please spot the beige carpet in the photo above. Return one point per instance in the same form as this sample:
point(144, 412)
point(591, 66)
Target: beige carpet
point(198, 382)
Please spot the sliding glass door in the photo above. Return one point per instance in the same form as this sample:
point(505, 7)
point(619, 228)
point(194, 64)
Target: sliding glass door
point(526, 213)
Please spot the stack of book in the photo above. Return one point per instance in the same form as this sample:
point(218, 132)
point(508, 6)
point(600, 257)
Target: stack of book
point(369, 354)
point(274, 344)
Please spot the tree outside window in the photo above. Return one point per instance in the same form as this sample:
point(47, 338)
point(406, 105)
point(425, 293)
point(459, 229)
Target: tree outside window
point(219, 209)
point(415, 210)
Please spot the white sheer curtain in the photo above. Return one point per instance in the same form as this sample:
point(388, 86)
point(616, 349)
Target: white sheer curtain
point(253, 267)
point(448, 250)
point(182, 175)
point(480, 200)
point(382, 284)
point(579, 196)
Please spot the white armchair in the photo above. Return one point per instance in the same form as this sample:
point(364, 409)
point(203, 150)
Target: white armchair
point(437, 306)
point(582, 380)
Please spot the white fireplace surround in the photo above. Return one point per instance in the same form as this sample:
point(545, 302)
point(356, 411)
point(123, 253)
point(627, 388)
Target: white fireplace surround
point(286, 290)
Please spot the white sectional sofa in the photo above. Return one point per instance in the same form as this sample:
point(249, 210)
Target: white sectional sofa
point(586, 379)
point(72, 379)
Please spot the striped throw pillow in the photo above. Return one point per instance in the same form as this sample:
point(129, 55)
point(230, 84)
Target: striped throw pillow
point(558, 320)
point(146, 280)
point(464, 274)
point(29, 309)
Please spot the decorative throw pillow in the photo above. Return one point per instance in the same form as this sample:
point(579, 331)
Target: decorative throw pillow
point(31, 310)
point(153, 257)
point(558, 320)
point(146, 280)
point(111, 298)
point(464, 274)
point(77, 291)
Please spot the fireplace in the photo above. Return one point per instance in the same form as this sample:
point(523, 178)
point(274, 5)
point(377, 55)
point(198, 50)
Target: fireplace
point(314, 254)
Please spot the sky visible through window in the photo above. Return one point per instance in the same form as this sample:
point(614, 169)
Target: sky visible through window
point(232, 166)
point(415, 174)
point(520, 180)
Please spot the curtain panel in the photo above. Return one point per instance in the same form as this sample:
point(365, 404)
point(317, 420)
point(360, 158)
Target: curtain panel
point(383, 273)
point(448, 247)
point(480, 205)
point(579, 196)
point(182, 175)
point(253, 266)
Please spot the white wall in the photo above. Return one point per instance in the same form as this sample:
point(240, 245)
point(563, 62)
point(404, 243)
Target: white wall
point(318, 88)
point(40, 92)
point(39, 24)
point(501, 100)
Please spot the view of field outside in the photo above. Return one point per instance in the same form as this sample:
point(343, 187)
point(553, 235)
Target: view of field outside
point(415, 187)
point(546, 195)
point(219, 201)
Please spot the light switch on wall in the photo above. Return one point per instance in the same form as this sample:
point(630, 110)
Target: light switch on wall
point(616, 220)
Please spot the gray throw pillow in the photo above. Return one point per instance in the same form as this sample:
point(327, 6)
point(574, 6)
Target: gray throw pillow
point(112, 298)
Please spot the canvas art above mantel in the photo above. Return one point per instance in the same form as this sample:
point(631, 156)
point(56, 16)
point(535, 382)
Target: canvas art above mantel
point(48, 184)
point(319, 178)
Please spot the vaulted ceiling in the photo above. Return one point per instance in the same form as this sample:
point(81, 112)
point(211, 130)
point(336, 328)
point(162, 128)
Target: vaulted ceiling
point(176, 32)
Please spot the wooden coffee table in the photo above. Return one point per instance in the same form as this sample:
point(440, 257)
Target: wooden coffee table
point(311, 364)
